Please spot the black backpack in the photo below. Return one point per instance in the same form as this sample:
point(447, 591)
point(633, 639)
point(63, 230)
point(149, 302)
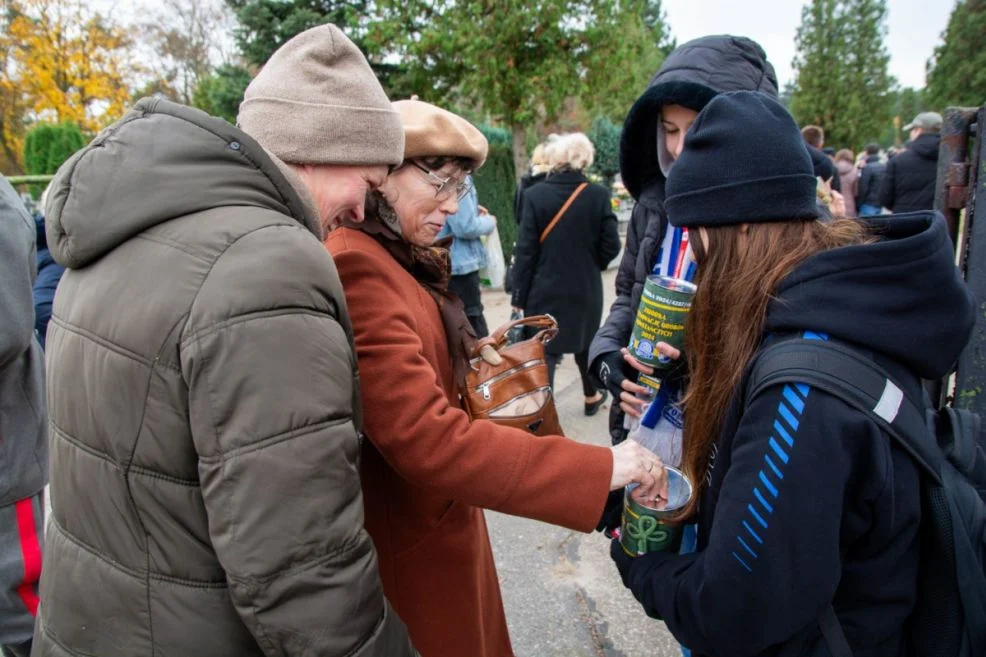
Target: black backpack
point(950, 451)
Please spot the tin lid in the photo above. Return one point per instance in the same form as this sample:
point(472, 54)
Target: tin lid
point(673, 284)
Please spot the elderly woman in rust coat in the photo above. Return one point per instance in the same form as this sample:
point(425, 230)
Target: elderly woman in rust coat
point(428, 471)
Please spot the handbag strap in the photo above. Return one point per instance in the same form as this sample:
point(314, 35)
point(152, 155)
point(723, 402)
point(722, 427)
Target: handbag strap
point(568, 203)
point(499, 337)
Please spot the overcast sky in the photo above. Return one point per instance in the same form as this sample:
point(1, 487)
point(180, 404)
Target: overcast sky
point(914, 28)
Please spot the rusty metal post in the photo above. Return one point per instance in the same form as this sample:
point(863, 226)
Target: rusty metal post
point(970, 381)
point(951, 186)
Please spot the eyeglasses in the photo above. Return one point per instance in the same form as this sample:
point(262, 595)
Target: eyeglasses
point(445, 187)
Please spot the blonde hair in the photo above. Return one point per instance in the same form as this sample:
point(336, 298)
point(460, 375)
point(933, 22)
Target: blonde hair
point(547, 154)
point(539, 159)
point(573, 151)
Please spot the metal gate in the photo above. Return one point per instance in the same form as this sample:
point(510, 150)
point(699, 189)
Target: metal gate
point(961, 189)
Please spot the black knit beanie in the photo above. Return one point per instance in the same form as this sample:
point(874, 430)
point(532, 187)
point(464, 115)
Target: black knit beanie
point(743, 161)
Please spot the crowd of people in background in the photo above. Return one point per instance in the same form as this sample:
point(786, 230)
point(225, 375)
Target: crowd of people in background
point(877, 180)
point(256, 352)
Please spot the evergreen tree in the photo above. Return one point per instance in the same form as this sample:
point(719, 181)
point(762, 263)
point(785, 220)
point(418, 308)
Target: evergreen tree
point(221, 93)
point(266, 25)
point(521, 61)
point(818, 64)
point(495, 188)
point(957, 71)
point(605, 137)
point(631, 39)
point(866, 80)
point(47, 146)
point(656, 20)
point(841, 78)
point(787, 94)
point(906, 103)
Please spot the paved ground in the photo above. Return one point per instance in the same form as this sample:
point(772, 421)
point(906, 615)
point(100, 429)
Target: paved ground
point(562, 593)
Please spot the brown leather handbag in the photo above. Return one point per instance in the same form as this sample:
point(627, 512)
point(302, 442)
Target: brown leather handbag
point(508, 384)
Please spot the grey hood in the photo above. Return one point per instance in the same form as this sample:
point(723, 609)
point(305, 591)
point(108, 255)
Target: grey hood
point(159, 162)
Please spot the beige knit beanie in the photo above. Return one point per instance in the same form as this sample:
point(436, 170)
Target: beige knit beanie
point(317, 101)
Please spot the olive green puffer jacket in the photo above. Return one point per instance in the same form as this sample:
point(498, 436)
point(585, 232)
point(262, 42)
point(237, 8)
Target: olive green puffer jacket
point(204, 402)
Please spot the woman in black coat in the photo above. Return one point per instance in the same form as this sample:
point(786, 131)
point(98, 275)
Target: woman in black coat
point(560, 275)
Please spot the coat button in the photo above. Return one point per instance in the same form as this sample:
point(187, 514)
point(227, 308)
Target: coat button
point(235, 145)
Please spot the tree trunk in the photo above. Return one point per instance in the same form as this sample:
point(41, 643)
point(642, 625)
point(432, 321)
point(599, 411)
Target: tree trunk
point(520, 151)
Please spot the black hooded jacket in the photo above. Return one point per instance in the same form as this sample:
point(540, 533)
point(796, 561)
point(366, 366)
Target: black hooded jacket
point(808, 501)
point(909, 182)
point(824, 167)
point(870, 182)
point(691, 76)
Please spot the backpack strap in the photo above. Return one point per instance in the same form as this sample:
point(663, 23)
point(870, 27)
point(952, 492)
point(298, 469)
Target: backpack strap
point(960, 441)
point(561, 213)
point(828, 622)
point(855, 379)
point(858, 381)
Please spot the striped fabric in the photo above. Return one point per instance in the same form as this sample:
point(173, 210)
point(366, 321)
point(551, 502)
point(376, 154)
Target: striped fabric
point(21, 544)
point(770, 478)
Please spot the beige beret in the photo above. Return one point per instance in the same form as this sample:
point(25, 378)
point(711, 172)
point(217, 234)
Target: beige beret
point(430, 131)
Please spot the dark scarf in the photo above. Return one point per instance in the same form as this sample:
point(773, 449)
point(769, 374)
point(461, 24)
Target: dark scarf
point(431, 267)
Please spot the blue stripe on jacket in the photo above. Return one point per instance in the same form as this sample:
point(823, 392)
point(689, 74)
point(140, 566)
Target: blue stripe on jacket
point(794, 398)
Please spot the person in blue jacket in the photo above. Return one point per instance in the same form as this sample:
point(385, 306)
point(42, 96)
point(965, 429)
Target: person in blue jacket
point(466, 226)
point(804, 504)
point(49, 273)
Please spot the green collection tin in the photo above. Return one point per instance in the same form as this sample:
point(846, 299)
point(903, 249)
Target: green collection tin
point(664, 306)
point(643, 528)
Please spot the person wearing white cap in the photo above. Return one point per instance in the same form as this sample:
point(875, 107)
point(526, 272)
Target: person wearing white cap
point(909, 183)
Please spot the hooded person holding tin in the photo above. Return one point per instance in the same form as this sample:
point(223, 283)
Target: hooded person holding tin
point(808, 511)
point(653, 136)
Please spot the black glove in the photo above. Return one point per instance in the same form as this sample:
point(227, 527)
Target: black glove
point(624, 562)
point(612, 512)
point(612, 370)
point(634, 571)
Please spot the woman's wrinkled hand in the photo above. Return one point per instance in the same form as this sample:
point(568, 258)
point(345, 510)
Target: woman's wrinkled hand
point(633, 463)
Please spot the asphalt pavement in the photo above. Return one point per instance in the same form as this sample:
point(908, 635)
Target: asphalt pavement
point(562, 594)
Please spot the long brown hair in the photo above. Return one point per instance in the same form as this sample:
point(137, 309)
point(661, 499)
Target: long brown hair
point(739, 273)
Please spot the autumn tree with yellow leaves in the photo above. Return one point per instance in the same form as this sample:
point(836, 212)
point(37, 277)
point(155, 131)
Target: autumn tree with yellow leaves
point(62, 62)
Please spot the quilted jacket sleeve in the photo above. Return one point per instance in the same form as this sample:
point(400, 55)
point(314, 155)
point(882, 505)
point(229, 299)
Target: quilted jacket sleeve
point(614, 334)
point(17, 271)
point(268, 360)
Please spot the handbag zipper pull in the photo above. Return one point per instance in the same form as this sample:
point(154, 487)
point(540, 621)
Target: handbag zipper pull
point(486, 392)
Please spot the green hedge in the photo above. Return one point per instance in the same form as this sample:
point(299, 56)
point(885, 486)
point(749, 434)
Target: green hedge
point(47, 146)
point(605, 136)
point(495, 186)
point(495, 135)
point(221, 93)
